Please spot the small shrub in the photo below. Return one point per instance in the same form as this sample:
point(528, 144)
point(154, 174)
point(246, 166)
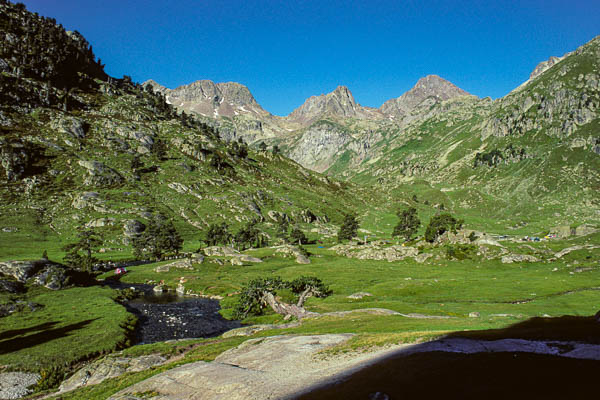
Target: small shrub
point(459, 251)
point(51, 377)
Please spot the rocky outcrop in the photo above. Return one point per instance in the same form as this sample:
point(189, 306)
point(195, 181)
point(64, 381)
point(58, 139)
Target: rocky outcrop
point(221, 251)
point(321, 144)
point(429, 87)
point(513, 258)
point(39, 272)
point(266, 368)
point(99, 174)
point(70, 126)
point(375, 252)
point(293, 251)
point(109, 367)
point(14, 159)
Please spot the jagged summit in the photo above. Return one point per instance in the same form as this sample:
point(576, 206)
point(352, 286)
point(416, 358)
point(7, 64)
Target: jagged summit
point(430, 86)
point(211, 99)
point(339, 103)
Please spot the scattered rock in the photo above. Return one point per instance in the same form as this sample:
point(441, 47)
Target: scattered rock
point(487, 241)
point(359, 295)
point(247, 258)
point(99, 222)
point(71, 126)
point(421, 258)
point(185, 263)
point(99, 174)
point(566, 251)
point(293, 251)
point(236, 261)
point(221, 251)
point(160, 289)
point(10, 229)
point(85, 199)
point(197, 258)
point(375, 251)
point(9, 286)
point(474, 314)
point(511, 258)
point(14, 385)
point(302, 259)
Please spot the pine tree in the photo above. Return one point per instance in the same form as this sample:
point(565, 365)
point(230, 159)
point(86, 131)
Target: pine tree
point(217, 234)
point(408, 225)
point(160, 237)
point(349, 228)
point(88, 243)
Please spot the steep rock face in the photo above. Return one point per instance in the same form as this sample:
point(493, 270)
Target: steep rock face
point(211, 99)
point(431, 86)
point(319, 145)
point(339, 103)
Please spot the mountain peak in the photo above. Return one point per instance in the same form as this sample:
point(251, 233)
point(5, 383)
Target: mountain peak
point(339, 103)
point(430, 86)
point(211, 99)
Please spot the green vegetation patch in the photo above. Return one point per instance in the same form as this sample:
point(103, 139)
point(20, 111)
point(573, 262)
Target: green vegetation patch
point(74, 324)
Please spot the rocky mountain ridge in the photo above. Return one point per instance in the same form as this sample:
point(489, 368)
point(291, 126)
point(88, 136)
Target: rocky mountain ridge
point(211, 99)
point(230, 99)
point(430, 87)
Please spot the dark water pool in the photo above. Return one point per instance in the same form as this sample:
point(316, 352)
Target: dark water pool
point(168, 316)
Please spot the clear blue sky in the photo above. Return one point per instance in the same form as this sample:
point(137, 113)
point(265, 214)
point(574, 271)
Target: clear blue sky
point(286, 51)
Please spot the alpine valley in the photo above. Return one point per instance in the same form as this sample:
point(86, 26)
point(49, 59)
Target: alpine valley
point(187, 244)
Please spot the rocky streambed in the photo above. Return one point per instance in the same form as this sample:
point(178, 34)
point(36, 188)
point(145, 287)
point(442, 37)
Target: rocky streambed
point(168, 316)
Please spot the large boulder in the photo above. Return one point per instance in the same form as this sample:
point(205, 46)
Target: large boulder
point(294, 252)
point(53, 276)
